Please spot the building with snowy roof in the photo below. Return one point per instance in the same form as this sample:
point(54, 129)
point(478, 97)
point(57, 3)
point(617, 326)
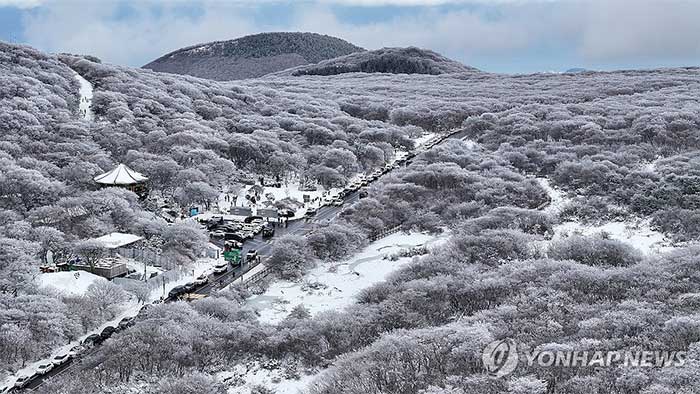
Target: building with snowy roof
point(123, 176)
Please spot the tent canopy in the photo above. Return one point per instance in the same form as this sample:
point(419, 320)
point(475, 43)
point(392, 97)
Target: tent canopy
point(121, 175)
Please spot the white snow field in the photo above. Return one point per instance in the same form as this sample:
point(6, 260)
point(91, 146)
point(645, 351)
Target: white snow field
point(69, 282)
point(85, 98)
point(335, 285)
point(637, 233)
point(254, 374)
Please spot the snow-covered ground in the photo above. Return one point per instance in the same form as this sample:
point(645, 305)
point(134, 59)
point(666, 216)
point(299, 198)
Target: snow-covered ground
point(85, 98)
point(637, 233)
point(69, 284)
point(556, 197)
point(331, 286)
point(335, 285)
point(243, 378)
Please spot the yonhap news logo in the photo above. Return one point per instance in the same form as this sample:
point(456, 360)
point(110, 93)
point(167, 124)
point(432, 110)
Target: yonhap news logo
point(500, 358)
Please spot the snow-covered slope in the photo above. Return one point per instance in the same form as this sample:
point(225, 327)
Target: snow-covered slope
point(334, 286)
point(85, 98)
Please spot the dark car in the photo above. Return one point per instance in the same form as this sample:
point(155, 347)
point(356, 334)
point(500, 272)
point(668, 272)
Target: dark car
point(363, 193)
point(268, 231)
point(286, 213)
point(234, 236)
point(177, 291)
point(144, 310)
point(126, 322)
point(250, 219)
point(92, 339)
point(251, 255)
point(107, 332)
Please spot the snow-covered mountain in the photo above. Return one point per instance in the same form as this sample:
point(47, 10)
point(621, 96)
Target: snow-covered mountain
point(252, 56)
point(409, 60)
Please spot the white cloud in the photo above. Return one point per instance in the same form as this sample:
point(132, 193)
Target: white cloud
point(638, 29)
point(89, 28)
point(20, 3)
point(596, 31)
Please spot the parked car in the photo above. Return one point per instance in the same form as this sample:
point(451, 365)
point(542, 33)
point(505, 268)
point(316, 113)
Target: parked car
point(144, 309)
point(202, 279)
point(5, 389)
point(232, 245)
point(60, 359)
point(337, 202)
point(23, 381)
point(268, 231)
point(311, 212)
point(107, 332)
point(176, 291)
point(308, 188)
point(251, 255)
point(189, 287)
point(217, 234)
point(235, 236)
point(76, 350)
point(91, 340)
point(126, 322)
point(363, 193)
point(248, 234)
point(286, 213)
point(45, 368)
point(220, 268)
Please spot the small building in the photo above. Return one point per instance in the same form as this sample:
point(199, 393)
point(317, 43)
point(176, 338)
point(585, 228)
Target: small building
point(118, 245)
point(121, 244)
point(123, 176)
point(109, 268)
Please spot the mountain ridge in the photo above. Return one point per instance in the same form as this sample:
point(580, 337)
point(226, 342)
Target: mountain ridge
point(252, 56)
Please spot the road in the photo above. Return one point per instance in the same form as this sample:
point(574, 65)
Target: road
point(219, 281)
point(324, 214)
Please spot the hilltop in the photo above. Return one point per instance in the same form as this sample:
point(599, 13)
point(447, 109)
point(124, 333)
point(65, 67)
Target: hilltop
point(409, 60)
point(252, 56)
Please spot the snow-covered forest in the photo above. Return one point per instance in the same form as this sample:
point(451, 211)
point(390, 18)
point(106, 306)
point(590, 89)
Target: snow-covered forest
point(618, 147)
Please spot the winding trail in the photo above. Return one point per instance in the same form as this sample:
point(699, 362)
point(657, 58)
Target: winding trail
point(85, 98)
point(637, 233)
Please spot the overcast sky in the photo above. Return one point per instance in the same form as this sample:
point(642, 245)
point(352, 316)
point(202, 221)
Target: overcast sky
point(510, 36)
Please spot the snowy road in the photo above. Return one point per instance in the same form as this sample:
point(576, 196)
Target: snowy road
point(298, 227)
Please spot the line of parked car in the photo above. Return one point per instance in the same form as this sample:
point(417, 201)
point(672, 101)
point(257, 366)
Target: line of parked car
point(60, 359)
point(360, 183)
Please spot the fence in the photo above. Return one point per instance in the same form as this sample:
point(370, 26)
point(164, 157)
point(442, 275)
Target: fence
point(384, 233)
point(257, 277)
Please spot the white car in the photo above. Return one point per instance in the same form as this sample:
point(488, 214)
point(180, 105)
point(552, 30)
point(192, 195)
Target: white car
point(22, 381)
point(60, 359)
point(202, 279)
point(44, 368)
point(76, 350)
point(338, 202)
point(218, 234)
point(220, 268)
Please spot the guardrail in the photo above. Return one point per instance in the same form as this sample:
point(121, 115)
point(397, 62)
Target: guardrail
point(384, 233)
point(257, 277)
